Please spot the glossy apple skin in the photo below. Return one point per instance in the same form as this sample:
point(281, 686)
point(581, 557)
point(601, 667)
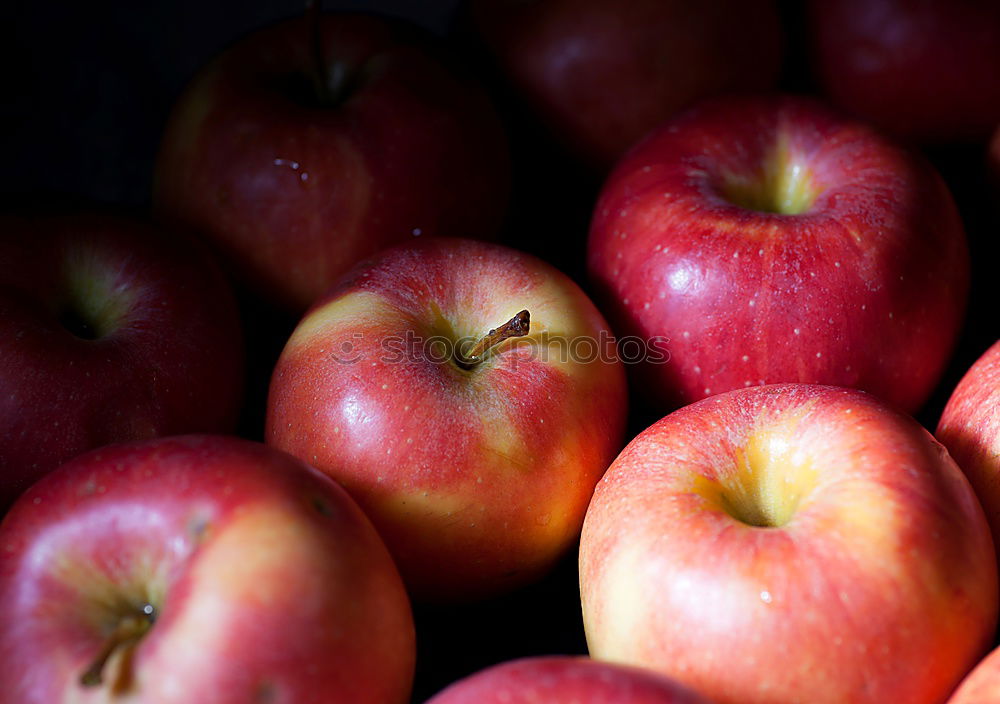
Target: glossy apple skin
point(602, 73)
point(565, 680)
point(867, 288)
point(924, 70)
point(170, 361)
point(970, 429)
point(295, 193)
point(268, 581)
point(982, 686)
point(878, 584)
point(476, 480)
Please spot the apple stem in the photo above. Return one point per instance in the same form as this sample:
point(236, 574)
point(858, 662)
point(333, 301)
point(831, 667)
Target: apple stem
point(518, 326)
point(128, 631)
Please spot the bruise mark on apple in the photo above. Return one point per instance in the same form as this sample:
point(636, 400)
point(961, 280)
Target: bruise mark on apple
point(321, 506)
point(266, 693)
point(198, 527)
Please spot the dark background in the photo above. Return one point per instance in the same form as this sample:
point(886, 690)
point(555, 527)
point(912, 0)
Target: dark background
point(86, 90)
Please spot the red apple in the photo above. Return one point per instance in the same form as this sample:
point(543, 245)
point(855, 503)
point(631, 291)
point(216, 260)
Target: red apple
point(476, 469)
point(790, 543)
point(773, 241)
point(295, 183)
point(565, 680)
point(109, 331)
point(925, 70)
point(970, 429)
point(602, 73)
point(198, 569)
point(982, 686)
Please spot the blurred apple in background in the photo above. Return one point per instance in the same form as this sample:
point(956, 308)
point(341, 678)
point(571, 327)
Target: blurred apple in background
point(198, 569)
point(970, 429)
point(602, 73)
point(790, 543)
point(922, 69)
point(565, 680)
point(109, 331)
point(475, 468)
point(771, 241)
point(296, 167)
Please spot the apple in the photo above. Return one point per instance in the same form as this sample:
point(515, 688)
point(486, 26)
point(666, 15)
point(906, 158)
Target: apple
point(922, 70)
point(602, 73)
point(982, 685)
point(970, 429)
point(772, 240)
point(198, 569)
point(565, 680)
point(110, 330)
point(790, 543)
point(315, 142)
point(475, 460)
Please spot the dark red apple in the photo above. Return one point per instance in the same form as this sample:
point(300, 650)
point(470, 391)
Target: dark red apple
point(298, 157)
point(110, 330)
point(602, 73)
point(922, 69)
point(772, 240)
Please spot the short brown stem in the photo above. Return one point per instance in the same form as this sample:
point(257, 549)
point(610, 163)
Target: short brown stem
point(128, 631)
point(518, 326)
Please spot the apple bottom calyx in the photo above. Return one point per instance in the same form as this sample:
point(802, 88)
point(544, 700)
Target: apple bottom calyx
point(518, 326)
point(130, 629)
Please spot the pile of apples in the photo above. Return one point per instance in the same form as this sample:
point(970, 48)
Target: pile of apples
point(356, 393)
